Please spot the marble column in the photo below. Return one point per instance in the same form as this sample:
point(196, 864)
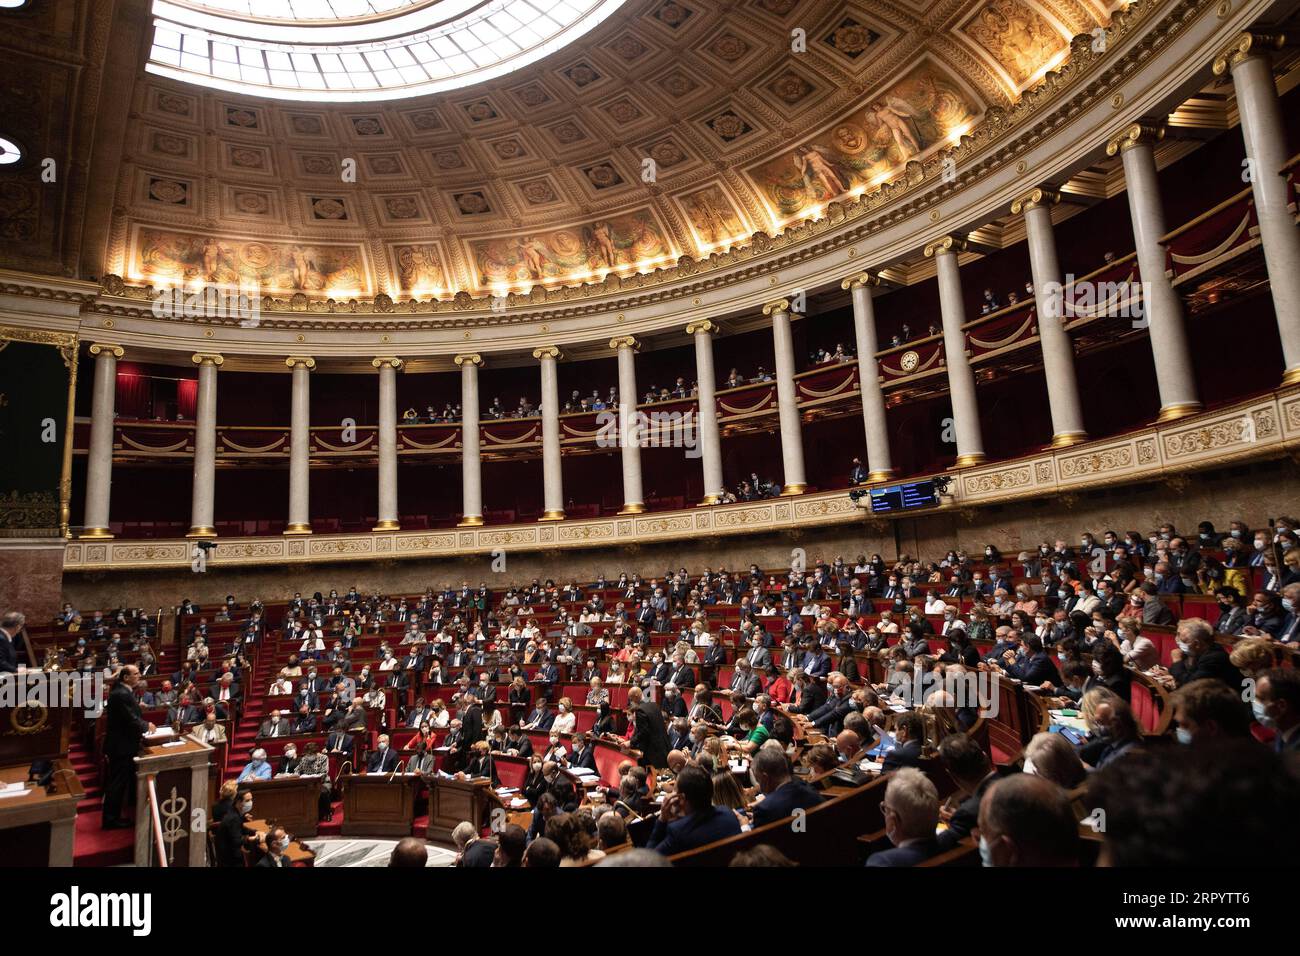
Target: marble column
point(205, 449)
point(1260, 113)
point(961, 380)
point(706, 392)
point(471, 460)
point(99, 465)
point(630, 426)
point(387, 514)
point(552, 466)
point(879, 462)
point(1058, 349)
point(1162, 308)
point(300, 445)
point(794, 480)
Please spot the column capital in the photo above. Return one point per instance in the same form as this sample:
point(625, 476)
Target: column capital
point(1139, 134)
point(624, 342)
point(386, 361)
point(1038, 196)
point(114, 350)
point(1244, 46)
point(473, 358)
point(862, 278)
point(945, 244)
point(548, 351)
point(777, 305)
point(701, 325)
point(306, 361)
point(211, 358)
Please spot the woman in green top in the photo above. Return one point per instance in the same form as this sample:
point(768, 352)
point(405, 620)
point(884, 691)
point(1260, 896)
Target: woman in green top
point(753, 734)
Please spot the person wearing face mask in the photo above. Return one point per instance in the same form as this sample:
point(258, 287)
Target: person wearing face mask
point(1027, 820)
point(1200, 656)
point(289, 760)
point(1109, 672)
point(1277, 707)
point(1207, 710)
point(277, 840)
point(257, 768)
point(230, 839)
point(911, 811)
point(384, 759)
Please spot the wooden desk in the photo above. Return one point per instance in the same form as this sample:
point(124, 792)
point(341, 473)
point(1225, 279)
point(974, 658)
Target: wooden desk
point(292, 802)
point(299, 853)
point(379, 804)
point(455, 801)
point(38, 827)
point(181, 784)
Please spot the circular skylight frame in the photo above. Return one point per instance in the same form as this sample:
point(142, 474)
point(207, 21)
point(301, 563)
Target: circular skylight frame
point(430, 48)
point(11, 153)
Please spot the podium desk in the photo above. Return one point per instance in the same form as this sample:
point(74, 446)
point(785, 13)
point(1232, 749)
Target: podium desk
point(179, 766)
point(379, 804)
point(454, 801)
point(292, 802)
point(37, 827)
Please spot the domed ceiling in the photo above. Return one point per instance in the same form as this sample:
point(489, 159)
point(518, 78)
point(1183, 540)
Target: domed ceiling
point(672, 128)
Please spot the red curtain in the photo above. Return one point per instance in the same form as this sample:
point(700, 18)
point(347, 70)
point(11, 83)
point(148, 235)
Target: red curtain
point(134, 392)
point(187, 394)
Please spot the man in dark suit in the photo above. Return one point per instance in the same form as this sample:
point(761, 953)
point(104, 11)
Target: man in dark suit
point(811, 693)
point(384, 759)
point(1036, 666)
point(1277, 705)
point(782, 793)
point(341, 744)
point(909, 735)
point(911, 811)
point(584, 754)
point(970, 769)
point(471, 727)
point(650, 735)
point(11, 628)
point(689, 819)
point(275, 726)
point(123, 730)
point(744, 680)
point(1199, 656)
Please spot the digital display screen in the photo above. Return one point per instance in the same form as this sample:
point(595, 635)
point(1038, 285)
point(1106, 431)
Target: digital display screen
point(915, 494)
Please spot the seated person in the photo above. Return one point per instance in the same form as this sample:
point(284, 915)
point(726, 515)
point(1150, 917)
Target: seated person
point(911, 811)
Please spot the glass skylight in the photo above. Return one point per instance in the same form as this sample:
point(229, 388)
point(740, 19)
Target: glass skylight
point(405, 48)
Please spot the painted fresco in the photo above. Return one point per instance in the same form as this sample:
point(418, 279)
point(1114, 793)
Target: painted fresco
point(712, 216)
point(913, 115)
point(1019, 37)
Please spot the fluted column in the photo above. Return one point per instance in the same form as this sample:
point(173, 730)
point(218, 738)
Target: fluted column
point(387, 514)
point(706, 393)
point(552, 465)
point(1266, 148)
point(202, 502)
point(629, 424)
point(1162, 308)
point(787, 396)
point(1058, 349)
point(961, 380)
point(471, 461)
point(299, 445)
point(99, 466)
point(879, 462)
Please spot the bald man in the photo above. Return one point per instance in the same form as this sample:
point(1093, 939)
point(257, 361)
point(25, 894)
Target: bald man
point(1026, 820)
point(409, 852)
point(847, 745)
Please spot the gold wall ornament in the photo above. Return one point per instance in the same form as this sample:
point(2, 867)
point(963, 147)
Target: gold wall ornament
point(383, 360)
point(1137, 134)
point(777, 305)
point(549, 351)
point(953, 244)
point(115, 350)
point(293, 361)
point(624, 342)
point(208, 358)
point(862, 278)
point(1244, 46)
point(701, 325)
point(473, 358)
point(1038, 196)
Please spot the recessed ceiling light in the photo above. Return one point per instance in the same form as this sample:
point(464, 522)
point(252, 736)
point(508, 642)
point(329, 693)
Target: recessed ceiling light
point(9, 151)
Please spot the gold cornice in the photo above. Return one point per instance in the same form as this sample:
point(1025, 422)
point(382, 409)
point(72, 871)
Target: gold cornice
point(383, 361)
point(472, 358)
point(1244, 46)
point(701, 325)
point(777, 305)
point(862, 278)
point(549, 351)
point(952, 243)
point(1137, 134)
point(1038, 196)
point(208, 358)
point(114, 350)
point(293, 361)
point(624, 342)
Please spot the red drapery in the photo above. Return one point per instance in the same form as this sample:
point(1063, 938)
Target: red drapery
point(187, 393)
point(134, 393)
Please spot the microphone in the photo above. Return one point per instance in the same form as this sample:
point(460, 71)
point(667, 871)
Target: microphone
point(396, 769)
